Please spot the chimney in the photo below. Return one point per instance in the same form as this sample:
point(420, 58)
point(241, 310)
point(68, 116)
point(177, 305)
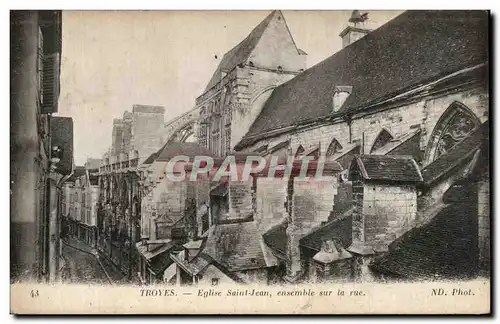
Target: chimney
point(356, 28)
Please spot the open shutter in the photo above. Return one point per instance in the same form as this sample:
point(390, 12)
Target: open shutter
point(61, 132)
point(50, 83)
point(40, 64)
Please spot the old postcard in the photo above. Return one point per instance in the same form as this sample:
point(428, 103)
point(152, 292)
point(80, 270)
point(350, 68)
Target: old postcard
point(249, 162)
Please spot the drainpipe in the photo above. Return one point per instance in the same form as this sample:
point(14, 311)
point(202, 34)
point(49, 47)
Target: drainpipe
point(55, 247)
point(53, 229)
point(348, 120)
point(363, 143)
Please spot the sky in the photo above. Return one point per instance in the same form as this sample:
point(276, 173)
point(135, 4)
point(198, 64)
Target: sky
point(112, 60)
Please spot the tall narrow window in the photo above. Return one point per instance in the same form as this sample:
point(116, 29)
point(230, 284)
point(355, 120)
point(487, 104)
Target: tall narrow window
point(208, 136)
point(203, 134)
point(383, 138)
point(333, 148)
point(227, 139)
point(215, 135)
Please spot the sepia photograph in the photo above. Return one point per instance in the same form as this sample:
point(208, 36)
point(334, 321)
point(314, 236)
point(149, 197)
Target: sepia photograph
point(250, 161)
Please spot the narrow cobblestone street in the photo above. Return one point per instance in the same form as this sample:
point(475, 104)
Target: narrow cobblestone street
point(82, 266)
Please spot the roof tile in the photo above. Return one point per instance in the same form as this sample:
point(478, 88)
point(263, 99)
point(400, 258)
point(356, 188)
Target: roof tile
point(388, 168)
point(413, 48)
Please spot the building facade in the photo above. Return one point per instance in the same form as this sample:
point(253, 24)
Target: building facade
point(137, 131)
point(413, 102)
point(35, 51)
point(80, 202)
point(134, 138)
point(399, 114)
point(118, 211)
point(244, 79)
point(416, 108)
point(168, 210)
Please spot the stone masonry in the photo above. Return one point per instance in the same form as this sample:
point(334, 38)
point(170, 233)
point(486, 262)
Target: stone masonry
point(312, 203)
point(228, 108)
point(137, 130)
point(484, 224)
point(398, 121)
point(271, 194)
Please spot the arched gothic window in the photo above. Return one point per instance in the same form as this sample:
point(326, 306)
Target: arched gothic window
point(383, 138)
point(456, 123)
point(299, 151)
point(333, 148)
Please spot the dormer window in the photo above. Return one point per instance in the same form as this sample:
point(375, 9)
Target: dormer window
point(340, 95)
point(280, 68)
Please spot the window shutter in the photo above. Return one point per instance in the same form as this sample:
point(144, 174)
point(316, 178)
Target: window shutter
point(50, 87)
point(40, 64)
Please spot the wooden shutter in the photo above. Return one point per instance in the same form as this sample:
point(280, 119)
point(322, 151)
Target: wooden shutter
point(61, 132)
point(50, 87)
point(40, 65)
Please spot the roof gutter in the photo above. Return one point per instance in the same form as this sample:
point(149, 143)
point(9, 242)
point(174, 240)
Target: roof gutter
point(425, 87)
point(349, 114)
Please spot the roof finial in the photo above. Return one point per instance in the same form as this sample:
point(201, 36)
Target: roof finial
point(357, 17)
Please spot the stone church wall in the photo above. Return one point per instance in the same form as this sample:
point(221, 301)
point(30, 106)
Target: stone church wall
point(398, 121)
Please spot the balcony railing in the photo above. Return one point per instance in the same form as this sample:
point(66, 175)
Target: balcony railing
point(119, 165)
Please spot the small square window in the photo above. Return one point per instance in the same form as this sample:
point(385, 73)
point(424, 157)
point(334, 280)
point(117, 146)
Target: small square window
point(215, 281)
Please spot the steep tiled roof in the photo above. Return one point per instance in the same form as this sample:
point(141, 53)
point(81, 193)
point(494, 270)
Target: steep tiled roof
point(390, 168)
point(236, 246)
point(444, 248)
point(240, 52)
point(396, 143)
point(78, 171)
point(414, 48)
point(159, 263)
point(195, 265)
point(340, 229)
point(459, 154)
point(276, 238)
point(344, 157)
point(159, 248)
point(171, 149)
point(174, 148)
point(199, 263)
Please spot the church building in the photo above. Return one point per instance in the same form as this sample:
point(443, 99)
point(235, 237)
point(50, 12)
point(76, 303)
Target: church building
point(403, 109)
